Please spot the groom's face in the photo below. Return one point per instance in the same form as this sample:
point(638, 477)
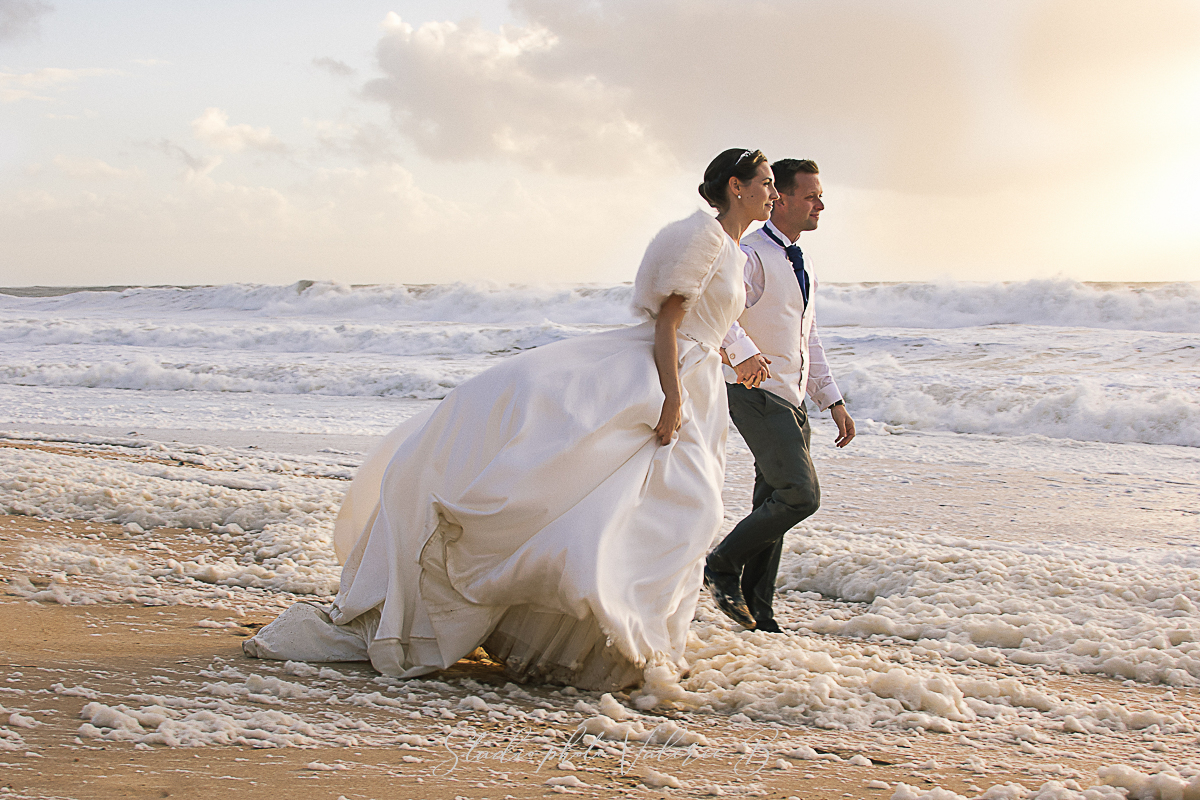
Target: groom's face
point(800, 209)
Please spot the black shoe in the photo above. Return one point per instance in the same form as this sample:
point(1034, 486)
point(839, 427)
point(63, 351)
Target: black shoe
point(727, 594)
point(768, 626)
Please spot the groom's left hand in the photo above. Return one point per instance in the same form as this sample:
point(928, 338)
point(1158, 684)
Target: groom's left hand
point(845, 425)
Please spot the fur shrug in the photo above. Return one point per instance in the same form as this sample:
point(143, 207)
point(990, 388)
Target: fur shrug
point(677, 261)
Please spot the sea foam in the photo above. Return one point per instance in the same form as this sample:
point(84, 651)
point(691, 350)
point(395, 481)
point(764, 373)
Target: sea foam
point(949, 304)
point(1059, 303)
point(453, 302)
point(1093, 362)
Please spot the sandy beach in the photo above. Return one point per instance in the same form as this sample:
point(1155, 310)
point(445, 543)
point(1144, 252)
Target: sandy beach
point(241, 243)
point(125, 677)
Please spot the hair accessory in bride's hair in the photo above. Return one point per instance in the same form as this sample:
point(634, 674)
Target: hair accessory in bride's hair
point(727, 165)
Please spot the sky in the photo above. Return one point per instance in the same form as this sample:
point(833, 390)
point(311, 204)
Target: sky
point(264, 141)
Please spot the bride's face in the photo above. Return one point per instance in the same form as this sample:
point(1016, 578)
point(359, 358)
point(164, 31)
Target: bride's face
point(758, 195)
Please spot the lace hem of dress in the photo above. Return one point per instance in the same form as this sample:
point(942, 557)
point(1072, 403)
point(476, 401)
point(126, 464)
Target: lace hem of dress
point(538, 645)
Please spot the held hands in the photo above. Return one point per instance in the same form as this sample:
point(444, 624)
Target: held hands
point(669, 420)
point(845, 425)
point(753, 371)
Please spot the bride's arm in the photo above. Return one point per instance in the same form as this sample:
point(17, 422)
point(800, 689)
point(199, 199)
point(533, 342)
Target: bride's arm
point(666, 358)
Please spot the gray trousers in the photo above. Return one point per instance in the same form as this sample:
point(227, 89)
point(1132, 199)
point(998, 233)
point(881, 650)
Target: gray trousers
point(785, 492)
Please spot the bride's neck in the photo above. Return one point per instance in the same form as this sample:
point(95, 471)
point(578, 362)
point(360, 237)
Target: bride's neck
point(733, 224)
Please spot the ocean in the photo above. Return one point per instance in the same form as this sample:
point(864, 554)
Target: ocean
point(1116, 363)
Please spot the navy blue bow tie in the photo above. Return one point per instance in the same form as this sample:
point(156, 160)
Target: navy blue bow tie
point(796, 256)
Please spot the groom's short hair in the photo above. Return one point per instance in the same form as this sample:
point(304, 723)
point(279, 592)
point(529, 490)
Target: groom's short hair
point(785, 170)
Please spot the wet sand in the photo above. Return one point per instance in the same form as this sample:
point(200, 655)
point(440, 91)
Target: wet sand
point(58, 658)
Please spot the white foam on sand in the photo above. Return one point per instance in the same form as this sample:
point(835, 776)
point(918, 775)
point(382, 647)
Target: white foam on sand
point(281, 525)
point(1116, 782)
point(1119, 612)
point(10, 739)
point(1131, 614)
point(202, 723)
point(844, 685)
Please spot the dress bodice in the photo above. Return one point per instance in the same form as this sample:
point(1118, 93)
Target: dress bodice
point(696, 259)
point(722, 301)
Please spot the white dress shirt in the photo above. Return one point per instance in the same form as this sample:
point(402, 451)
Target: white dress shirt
point(739, 346)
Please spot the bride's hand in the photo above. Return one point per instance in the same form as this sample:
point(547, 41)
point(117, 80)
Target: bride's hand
point(669, 420)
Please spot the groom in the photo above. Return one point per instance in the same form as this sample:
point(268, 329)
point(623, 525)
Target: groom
point(767, 405)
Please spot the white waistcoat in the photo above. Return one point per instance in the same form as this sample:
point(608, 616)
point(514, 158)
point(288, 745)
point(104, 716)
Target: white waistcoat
point(779, 323)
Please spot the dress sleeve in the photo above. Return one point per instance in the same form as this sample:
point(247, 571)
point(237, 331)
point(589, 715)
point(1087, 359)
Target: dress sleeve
point(678, 261)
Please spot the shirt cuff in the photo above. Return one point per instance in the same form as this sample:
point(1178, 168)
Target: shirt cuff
point(826, 396)
point(740, 350)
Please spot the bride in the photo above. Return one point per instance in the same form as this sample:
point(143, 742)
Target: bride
point(555, 509)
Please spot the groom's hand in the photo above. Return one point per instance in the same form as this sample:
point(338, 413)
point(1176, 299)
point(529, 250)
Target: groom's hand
point(845, 425)
point(753, 371)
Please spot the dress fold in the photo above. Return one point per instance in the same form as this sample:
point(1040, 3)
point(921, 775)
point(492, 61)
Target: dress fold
point(533, 512)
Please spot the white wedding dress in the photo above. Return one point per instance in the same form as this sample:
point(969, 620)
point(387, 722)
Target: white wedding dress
point(533, 512)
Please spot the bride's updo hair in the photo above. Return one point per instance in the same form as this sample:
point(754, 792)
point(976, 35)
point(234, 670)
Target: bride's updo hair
point(735, 163)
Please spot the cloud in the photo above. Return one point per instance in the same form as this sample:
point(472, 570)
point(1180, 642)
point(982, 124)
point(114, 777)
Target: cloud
point(367, 143)
point(213, 128)
point(461, 92)
point(603, 87)
point(334, 67)
point(20, 18)
point(920, 96)
point(195, 167)
point(369, 224)
point(90, 168)
point(875, 89)
point(16, 86)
